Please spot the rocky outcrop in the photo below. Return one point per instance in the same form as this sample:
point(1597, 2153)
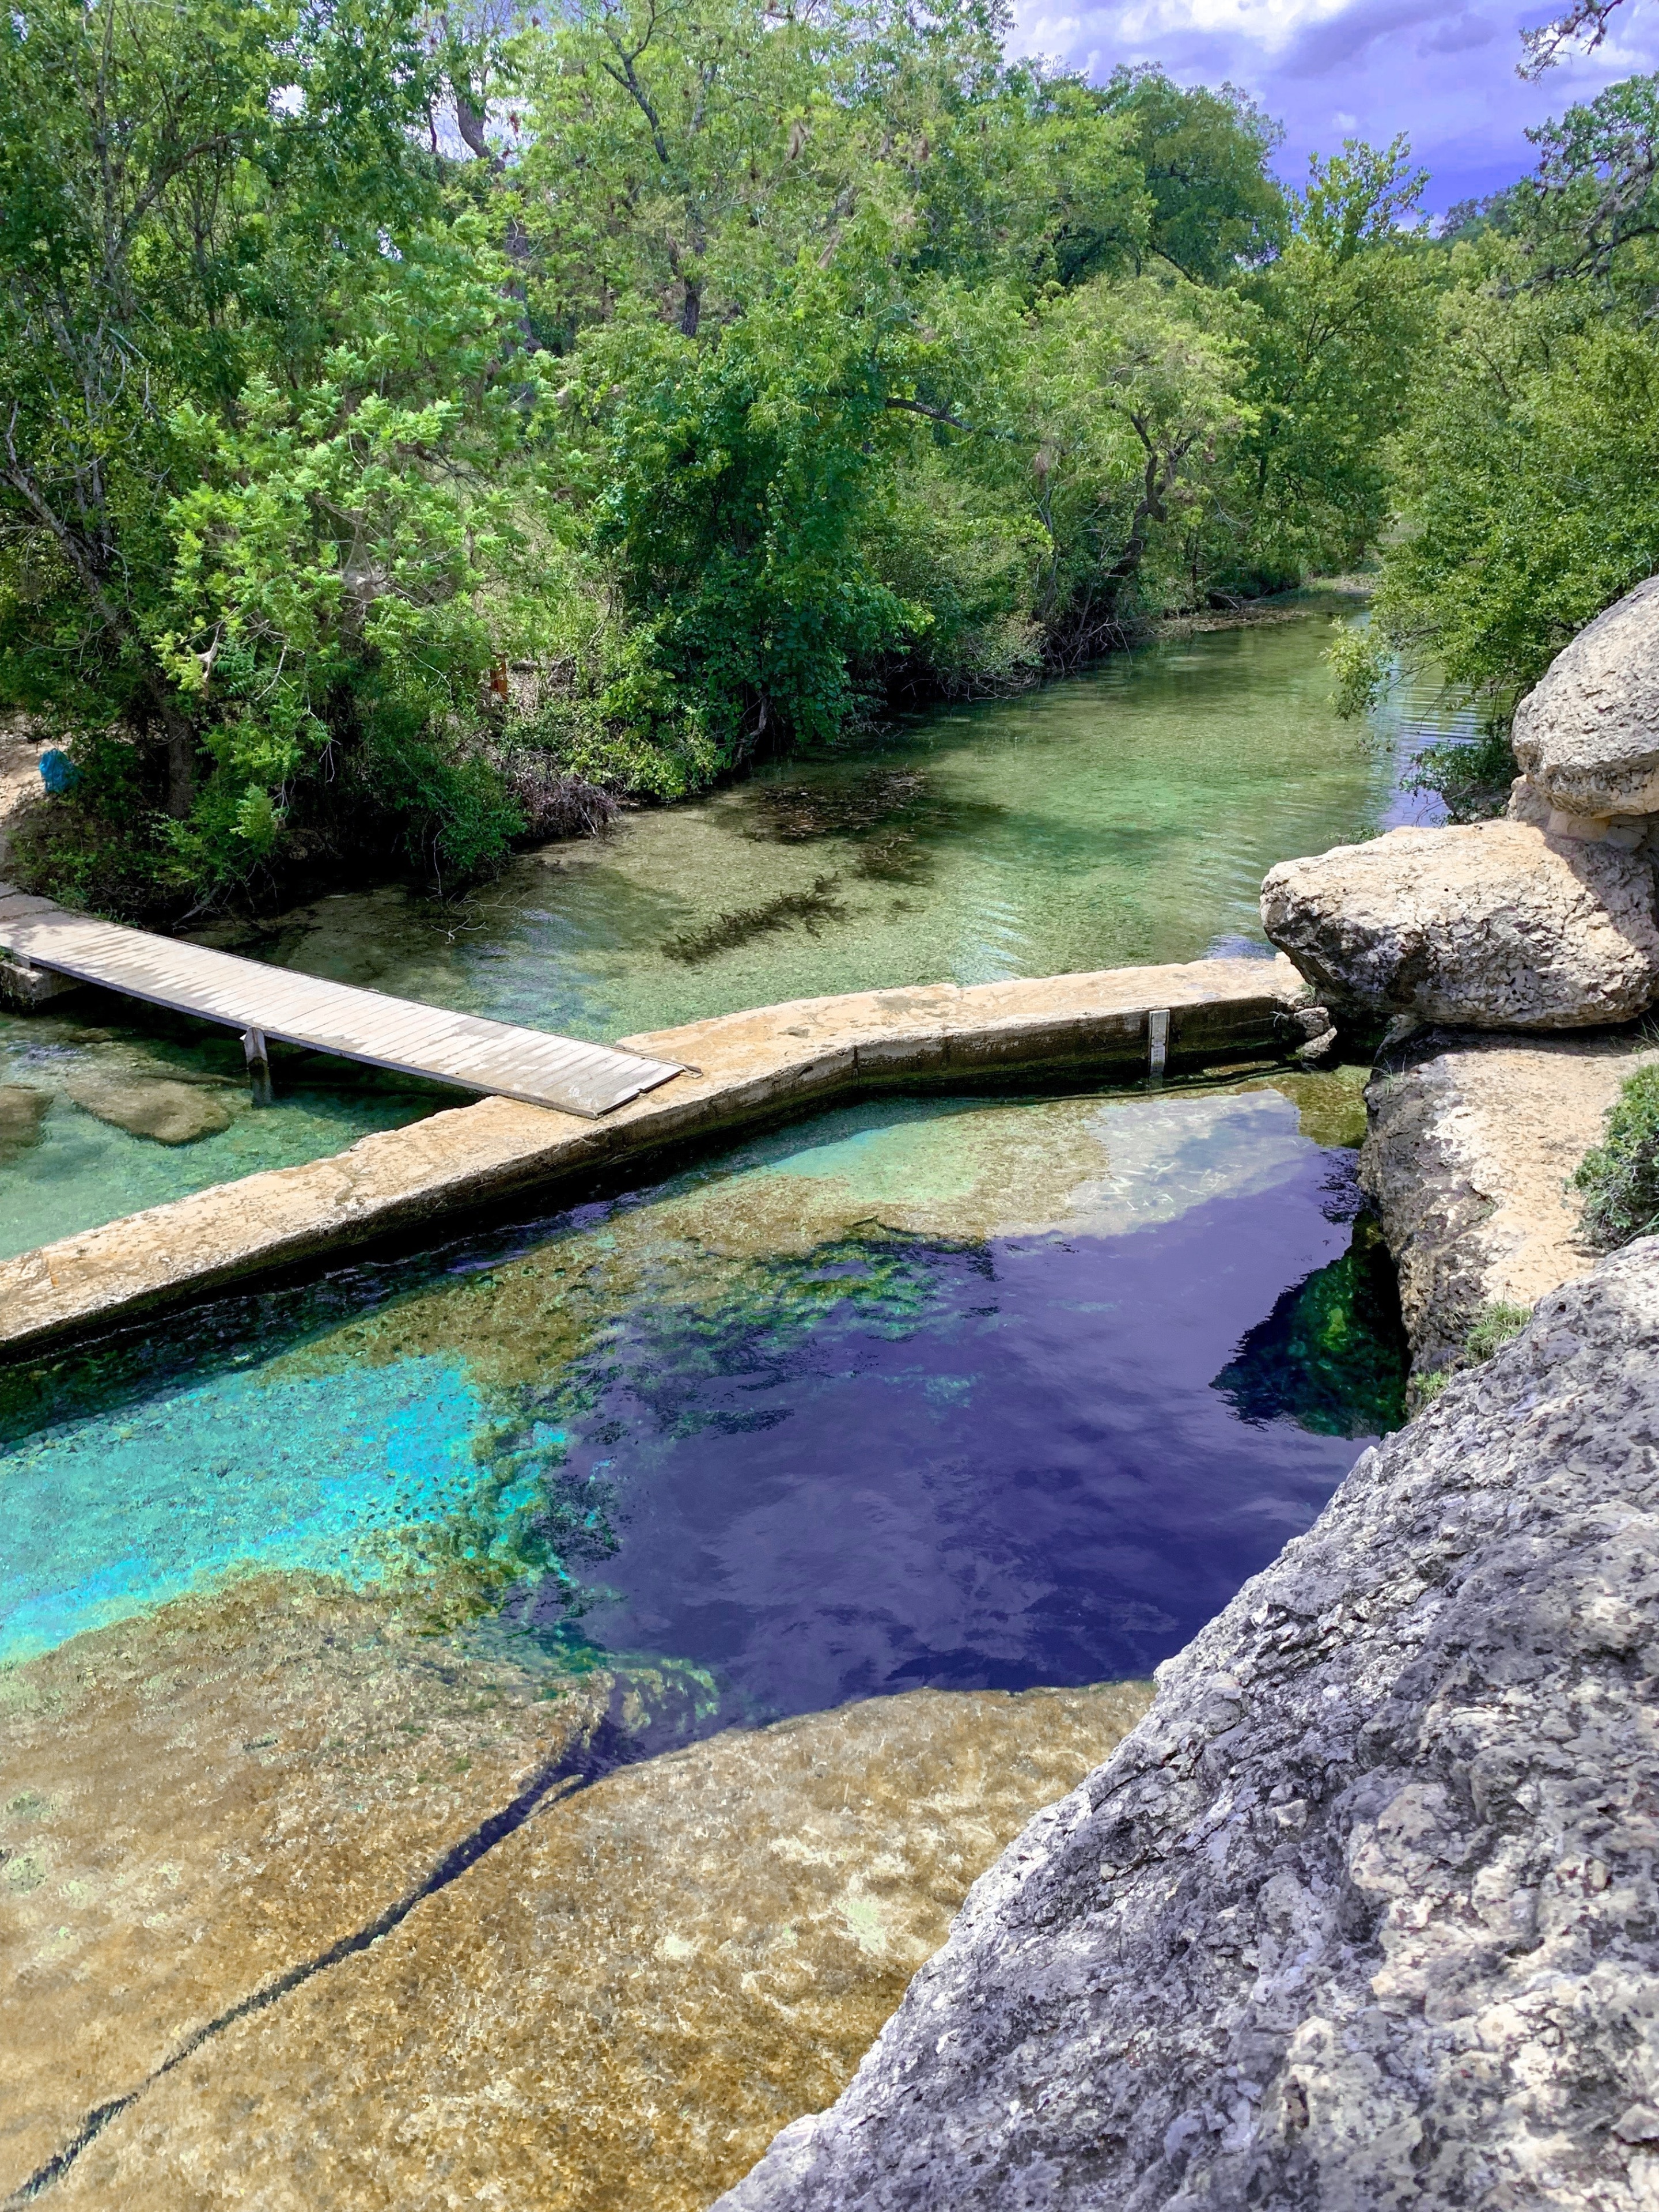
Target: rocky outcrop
point(1495, 926)
point(1588, 734)
point(1469, 1159)
point(1365, 1914)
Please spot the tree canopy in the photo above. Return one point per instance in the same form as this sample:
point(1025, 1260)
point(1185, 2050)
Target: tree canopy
point(416, 427)
point(1526, 475)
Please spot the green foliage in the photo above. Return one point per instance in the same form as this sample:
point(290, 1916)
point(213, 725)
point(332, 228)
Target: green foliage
point(1525, 473)
point(1493, 1327)
point(1620, 1177)
point(370, 506)
point(1474, 777)
point(1216, 206)
point(1361, 665)
point(1344, 314)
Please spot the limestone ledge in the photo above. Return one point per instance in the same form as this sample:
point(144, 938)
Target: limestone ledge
point(747, 1069)
point(1469, 1159)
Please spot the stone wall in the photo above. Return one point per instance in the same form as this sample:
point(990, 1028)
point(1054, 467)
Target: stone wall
point(745, 1071)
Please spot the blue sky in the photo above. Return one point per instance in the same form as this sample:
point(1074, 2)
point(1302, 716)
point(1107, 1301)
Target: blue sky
point(1443, 73)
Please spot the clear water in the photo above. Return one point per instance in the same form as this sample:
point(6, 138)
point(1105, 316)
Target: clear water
point(1125, 815)
point(950, 1392)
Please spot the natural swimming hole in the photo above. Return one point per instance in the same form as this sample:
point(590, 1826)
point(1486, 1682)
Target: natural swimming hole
point(961, 1394)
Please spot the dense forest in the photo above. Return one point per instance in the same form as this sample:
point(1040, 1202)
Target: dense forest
point(420, 433)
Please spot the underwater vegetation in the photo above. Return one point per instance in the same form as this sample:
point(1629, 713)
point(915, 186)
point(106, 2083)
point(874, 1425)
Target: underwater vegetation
point(1332, 1356)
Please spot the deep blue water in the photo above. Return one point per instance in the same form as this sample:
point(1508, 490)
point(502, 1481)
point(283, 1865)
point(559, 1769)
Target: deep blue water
point(813, 1422)
point(1034, 1474)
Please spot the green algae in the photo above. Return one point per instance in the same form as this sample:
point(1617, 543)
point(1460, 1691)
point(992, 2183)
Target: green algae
point(1332, 1356)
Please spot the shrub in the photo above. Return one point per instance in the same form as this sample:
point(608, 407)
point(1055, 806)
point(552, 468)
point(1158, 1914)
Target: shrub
point(1621, 1178)
point(1494, 1325)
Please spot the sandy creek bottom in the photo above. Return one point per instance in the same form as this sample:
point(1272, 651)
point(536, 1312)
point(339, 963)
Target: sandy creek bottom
point(505, 1727)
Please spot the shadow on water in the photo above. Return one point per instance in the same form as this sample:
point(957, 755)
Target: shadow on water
point(1332, 1356)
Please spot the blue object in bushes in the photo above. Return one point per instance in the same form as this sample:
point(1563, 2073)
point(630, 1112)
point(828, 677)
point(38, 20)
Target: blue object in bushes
point(58, 772)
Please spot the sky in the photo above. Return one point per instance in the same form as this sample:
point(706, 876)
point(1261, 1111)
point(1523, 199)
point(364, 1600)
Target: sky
point(1441, 72)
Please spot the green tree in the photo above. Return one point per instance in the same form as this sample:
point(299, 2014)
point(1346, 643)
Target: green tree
point(1525, 474)
point(1217, 208)
point(259, 411)
point(1343, 313)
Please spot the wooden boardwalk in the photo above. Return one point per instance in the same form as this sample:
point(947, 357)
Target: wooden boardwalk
point(263, 1002)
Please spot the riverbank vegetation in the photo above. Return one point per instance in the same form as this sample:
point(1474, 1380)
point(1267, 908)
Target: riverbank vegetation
point(416, 437)
point(1526, 475)
point(1620, 1177)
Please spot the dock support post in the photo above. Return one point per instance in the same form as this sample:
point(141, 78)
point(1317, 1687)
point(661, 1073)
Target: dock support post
point(1158, 1042)
point(258, 1067)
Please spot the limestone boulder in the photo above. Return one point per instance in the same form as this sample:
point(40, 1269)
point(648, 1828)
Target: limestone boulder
point(23, 1115)
point(1497, 925)
point(1469, 1158)
point(1364, 1916)
point(1587, 732)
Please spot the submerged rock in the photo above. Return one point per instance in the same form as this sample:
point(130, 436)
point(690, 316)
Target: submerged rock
point(1587, 732)
point(617, 2006)
point(201, 1799)
point(1364, 1913)
point(1492, 925)
point(169, 1112)
point(23, 1115)
point(1473, 1145)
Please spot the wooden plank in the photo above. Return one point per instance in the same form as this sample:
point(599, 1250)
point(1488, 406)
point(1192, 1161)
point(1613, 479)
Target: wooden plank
point(397, 1034)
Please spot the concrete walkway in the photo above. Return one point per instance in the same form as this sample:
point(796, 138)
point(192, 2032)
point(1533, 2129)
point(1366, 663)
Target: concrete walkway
point(750, 1069)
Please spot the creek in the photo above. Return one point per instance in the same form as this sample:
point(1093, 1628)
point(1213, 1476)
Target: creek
point(1124, 816)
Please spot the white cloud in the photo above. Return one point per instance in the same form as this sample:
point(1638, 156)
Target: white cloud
point(1441, 72)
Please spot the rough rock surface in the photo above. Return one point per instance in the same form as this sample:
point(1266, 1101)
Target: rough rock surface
point(616, 2007)
point(1588, 733)
point(1493, 925)
point(1472, 1145)
point(1363, 1914)
point(195, 1802)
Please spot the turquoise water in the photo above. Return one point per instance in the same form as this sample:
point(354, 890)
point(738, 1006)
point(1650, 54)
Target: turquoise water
point(1125, 815)
point(112, 1513)
point(951, 1391)
point(80, 1171)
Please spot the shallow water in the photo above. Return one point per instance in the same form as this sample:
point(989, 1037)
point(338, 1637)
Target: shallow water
point(950, 1393)
point(1125, 815)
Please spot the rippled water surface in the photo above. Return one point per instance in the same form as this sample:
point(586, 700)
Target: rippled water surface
point(955, 1393)
point(1123, 816)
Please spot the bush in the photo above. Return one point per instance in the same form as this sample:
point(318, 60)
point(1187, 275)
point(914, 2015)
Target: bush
point(1473, 775)
point(1620, 1177)
point(1494, 1325)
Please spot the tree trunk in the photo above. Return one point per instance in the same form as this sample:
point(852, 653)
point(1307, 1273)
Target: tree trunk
point(181, 768)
